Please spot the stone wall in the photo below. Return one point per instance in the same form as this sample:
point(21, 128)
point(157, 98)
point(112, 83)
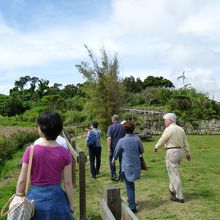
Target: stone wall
point(198, 128)
point(203, 127)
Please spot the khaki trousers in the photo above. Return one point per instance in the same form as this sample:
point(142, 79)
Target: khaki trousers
point(173, 158)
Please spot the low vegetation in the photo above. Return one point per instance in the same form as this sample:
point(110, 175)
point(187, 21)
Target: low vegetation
point(13, 139)
point(200, 181)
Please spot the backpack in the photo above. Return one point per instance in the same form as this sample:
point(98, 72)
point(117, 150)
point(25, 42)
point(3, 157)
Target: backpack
point(91, 140)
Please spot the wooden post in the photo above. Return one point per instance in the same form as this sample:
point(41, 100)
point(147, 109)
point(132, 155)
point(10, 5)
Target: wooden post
point(75, 132)
point(127, 214)
point(105, 212)
point(82, 186)
point(73, 143)
point(113, 200)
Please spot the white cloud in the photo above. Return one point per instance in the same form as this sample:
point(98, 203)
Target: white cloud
point(146, 17)
point(174, 35)
point(184, 55)
point(203, 22)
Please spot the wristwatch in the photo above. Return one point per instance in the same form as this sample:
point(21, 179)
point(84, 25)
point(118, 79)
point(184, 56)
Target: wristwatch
point(19, 194)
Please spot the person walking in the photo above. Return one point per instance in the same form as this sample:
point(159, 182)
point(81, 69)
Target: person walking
point(60, 140)
point(130, 147)
point(114, 133)
point(50, 161)
point(175, 142)
point(95, 149)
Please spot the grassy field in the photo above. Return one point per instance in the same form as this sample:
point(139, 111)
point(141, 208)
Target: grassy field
point(200, 177)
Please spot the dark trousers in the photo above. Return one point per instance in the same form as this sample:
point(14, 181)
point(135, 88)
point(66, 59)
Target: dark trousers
point(113, 167)
point(95, 160)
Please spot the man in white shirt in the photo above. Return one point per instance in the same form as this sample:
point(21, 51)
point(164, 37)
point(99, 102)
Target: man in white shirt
point(60, 140)
point(175, 142)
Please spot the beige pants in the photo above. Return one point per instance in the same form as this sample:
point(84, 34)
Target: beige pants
point(173, 159)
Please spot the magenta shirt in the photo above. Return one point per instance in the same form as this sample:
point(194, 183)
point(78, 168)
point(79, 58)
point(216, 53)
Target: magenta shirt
point(48, 163)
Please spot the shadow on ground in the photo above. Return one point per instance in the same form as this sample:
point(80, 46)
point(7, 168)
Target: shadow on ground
point(150, 204)
point(205, 194)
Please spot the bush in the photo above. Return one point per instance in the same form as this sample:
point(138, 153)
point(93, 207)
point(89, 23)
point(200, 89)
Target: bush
point(15, 120)
point(74, 117)
point(32, 114)
point(134, 99)
point(11, 144)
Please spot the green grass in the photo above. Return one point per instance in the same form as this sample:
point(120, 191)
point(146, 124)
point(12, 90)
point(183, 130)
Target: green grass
point(8, 176)
point(10, 165)
point(200, 178)
point(13, 121)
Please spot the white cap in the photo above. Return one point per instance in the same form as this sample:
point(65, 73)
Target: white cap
point(123, 122)
point(170, 116)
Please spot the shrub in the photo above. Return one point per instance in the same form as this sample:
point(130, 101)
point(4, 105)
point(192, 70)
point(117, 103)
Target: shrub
point(9, 145)
point(32, 114)
point(74, 117)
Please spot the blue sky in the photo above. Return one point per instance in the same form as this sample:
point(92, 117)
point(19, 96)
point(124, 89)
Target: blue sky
point(45, 38)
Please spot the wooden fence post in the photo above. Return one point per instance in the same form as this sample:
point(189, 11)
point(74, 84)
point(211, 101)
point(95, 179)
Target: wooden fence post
point(73, 143)
point(113, 200)
point(126, 213)
point(82, 186)
point(105, 212)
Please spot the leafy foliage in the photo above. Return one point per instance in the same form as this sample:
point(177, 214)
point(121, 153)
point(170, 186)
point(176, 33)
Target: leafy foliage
point(102, 95)
point(152, 81)
point(11, 144)
point(74, 117)
point(10, 106)
point(132, 85)
point(32, 114)
point(103, 88)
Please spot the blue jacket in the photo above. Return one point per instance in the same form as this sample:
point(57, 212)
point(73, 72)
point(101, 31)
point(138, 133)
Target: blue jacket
point(130, 147)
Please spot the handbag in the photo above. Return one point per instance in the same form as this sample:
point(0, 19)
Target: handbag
point(20, 208)
point(143, 164)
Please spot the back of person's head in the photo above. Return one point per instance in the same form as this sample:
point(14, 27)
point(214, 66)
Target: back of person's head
point(50, 124)
point(115, 118)
point(129, 127)
point(170, 116)
point(95, 124)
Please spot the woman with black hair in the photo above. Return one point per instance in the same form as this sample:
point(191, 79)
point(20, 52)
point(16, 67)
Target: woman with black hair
point(50, 161)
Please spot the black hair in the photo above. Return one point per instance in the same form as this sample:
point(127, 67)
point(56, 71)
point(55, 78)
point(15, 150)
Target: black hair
point(95, 124)
point(129, 127)
point(51, 124)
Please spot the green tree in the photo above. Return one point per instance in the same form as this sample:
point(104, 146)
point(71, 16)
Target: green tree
point(13, 107)
point(69, 91)
point(21, 83)
point(33, 83)
point(154, 81)
point(53, 102)
point(43, 86)
point(132, 85)
point(103, 88)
